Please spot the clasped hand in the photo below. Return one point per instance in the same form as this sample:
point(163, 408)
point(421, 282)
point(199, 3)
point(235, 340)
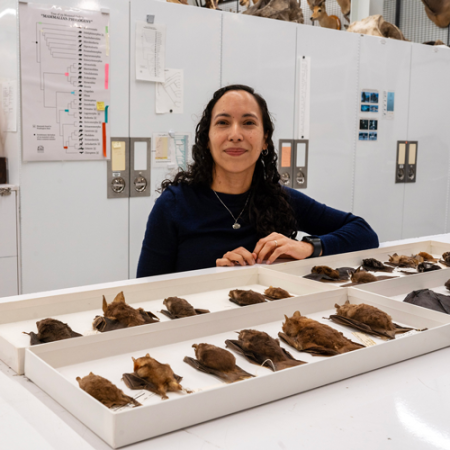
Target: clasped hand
point(268, 249)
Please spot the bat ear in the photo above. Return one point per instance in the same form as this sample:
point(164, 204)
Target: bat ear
point(286, 317)
point(147, 355)
point(134, 360)
point(297, 314)
point(347, 302)
point(336, 306)
point(120, 298)
point(194, 346)
point(78, 379)
point(105, 305)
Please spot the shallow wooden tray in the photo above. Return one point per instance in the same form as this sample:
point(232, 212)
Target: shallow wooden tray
point(78, 309)
point(54, 367)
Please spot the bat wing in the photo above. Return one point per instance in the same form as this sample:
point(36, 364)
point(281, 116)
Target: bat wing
point(253, 357)
point(229, 377)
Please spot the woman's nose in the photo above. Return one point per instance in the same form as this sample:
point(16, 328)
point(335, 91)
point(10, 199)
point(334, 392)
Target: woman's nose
point(235, 133)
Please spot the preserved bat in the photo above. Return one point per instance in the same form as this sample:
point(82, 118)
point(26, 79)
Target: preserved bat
point(179, 307)
point(427, 267)
point(373, 265)
point(50, 330)
point(276, 293)
point(104, 391)
point(360, 276)
point(445, 259)
point(218, 362)
point(153, 376)
point(447, 284)
point(308, 335)
point(261, 349)
point(368, 319)
point(325, 273)
point(403, 261)
point(120, 315)
point(244, 298)
point(430, 300)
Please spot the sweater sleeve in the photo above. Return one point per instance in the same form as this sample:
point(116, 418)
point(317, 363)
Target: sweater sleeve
point(159, 248)
point(340, 232)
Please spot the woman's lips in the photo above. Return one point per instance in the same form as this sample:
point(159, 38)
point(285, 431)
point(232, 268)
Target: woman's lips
point(235, 151)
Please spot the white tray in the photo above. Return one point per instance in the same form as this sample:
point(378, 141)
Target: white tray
point(79, 309)
point(354, 259)
point(53, 367)
point(399, 288)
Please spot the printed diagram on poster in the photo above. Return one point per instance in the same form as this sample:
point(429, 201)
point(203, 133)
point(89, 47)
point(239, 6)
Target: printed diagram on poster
point(8, 103)
point(150, 52)
point(368, 127)
point(65, 75)
point(388, 105)
point(171, 150)
point(170, 94)
point(369, 101)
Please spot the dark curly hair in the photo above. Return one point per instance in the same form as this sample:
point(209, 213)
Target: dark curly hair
point(269, 208)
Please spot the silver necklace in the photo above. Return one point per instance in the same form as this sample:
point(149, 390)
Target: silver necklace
point(236, 225)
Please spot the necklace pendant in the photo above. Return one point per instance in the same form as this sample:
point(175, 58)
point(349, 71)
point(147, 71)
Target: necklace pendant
point(236, 226)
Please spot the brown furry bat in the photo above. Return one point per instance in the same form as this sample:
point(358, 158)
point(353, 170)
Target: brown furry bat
point(360, 276)
point(104, 391)
point(179, 307)
point(445, 259)
point(426, 257)
point(120, 315)
point(259, 348)
point(50, 330)
point(308, 335)
point(276, 293)
point(327, 274)
point(216, 361)
point(243, 298)
point(154, 376)
point(368, 319)
point(447, 284)
point(403, 261)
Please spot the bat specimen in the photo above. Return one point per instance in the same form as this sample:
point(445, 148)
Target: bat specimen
point(179, 307)
point(403, 261)
point(261, 349)
point(244, 298)
point(118, 315)
point(368, 319)
point(373, 265)
point(104, 391)
point(216, 361)
point(153, 376)
point(429, 299)
point(360, 276)
point(50, 330)
point(427, 267)
point(447, 284)
point(445, 259)
point(425, 257)
point(325, 273)
point(276, 293)
point(308, 335)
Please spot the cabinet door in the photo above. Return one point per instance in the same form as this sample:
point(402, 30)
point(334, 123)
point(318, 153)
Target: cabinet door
point(8, 225)
point(334, 94)
point(8, 277)
point(193, 44)
point(384, 66)
point(427, 200)
point(71, 233)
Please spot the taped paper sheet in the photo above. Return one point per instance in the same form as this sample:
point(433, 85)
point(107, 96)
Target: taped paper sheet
point(64, 68)
point(170, 94)
point(8, 103)
point(303, 96)
point(171, 150)
point(150, 52)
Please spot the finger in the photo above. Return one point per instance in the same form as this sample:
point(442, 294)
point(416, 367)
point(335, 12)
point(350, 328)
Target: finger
point(271, 237)
point(224, 262)
point(266, 251)
point(240, 256)
point(275, 255)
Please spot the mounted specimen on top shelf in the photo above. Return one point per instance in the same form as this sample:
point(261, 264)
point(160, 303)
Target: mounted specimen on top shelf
point(288, 10)
point(325, 21)
point(438, 11)
point(345, 6)
point(376, 26)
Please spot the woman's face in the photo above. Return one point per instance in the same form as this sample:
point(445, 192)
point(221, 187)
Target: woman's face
point(236, 134)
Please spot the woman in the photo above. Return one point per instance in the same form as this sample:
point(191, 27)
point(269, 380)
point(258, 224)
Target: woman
point(229, 208)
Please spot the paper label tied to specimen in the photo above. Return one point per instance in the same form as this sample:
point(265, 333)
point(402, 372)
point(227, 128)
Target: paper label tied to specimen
point(65, 76)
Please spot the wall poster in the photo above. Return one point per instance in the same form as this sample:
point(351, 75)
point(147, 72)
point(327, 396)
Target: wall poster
point(65, 83)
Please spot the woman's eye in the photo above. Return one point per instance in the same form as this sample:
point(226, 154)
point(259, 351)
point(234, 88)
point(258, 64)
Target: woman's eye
point(249, 122)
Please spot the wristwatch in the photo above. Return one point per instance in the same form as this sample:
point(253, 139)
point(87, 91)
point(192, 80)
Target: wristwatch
point(316, 243)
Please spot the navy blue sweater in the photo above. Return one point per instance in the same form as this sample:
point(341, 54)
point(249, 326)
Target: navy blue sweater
point(188, 229)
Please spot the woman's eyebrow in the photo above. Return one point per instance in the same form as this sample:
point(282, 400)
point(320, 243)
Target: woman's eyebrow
point(229, 115)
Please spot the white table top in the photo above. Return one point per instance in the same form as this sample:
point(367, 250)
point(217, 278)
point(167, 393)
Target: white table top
point(402, 406)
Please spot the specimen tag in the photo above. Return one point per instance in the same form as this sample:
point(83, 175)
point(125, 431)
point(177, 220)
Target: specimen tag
point(364, 339)
point(408, 333)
